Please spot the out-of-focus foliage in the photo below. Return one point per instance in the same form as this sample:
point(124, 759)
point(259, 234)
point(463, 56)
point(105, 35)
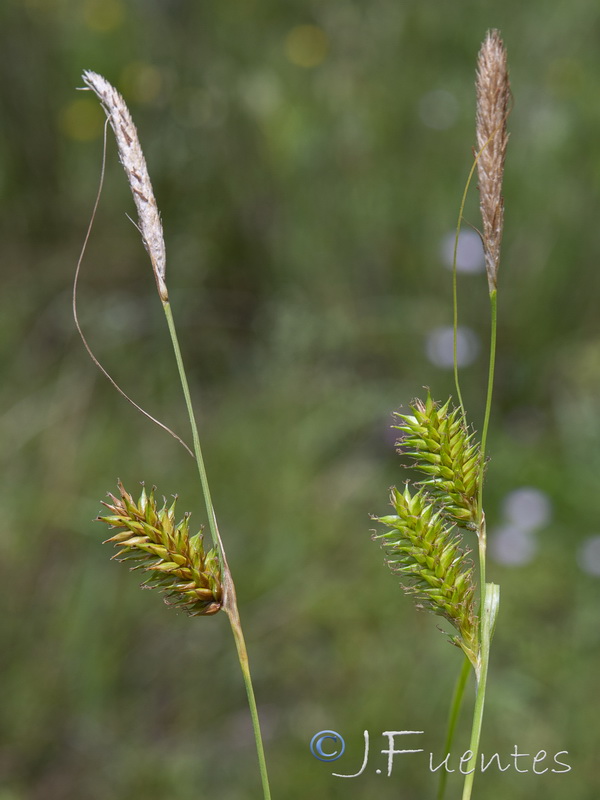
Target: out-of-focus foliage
point(308, 159)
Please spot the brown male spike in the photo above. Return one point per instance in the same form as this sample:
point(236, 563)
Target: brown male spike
point(493, 94)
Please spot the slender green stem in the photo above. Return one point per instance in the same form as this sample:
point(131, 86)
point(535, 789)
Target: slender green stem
point(459, 689)
point(236, 628)
point(490, 392)
point(489, 599)
point(482, 547)
point(454, 281)
point(212, 520)
point(455, 321)
point(484, 433)
point(229, 600)
point(488, 621)
point(457, 698)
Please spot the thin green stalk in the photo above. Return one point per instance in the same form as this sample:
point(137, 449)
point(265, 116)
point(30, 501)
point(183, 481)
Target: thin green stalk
point(493, 93)
point(236, 629)
point(230, 600)
point(457, 698)
point(490, 391)
point(488, 621)
point(484, 433)
point(489, 592)
point(212, 520)
point(454, 282)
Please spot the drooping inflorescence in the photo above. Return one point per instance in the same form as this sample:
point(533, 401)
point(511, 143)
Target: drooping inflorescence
point(421, 547)
point(423, 543)
point(176, 562)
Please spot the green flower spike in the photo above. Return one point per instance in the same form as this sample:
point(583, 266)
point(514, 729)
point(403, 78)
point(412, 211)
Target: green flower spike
point(176, 561)
point(420, 545)
point(439, 443)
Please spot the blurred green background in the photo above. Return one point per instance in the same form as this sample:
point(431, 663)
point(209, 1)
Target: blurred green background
point(308, 159)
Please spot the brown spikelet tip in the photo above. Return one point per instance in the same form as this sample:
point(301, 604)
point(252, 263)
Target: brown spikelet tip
point(493, 94)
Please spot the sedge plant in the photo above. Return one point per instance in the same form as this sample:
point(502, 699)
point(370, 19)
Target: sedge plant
point(434, 520)
point(148, 536)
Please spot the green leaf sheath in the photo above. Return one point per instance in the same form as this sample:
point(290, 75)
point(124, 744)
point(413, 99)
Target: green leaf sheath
point(176, 562)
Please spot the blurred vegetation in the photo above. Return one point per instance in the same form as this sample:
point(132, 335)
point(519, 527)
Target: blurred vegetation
point(304, 200)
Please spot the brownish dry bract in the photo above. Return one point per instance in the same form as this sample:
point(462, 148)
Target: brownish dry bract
point(134, 164)
point(493, 93)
